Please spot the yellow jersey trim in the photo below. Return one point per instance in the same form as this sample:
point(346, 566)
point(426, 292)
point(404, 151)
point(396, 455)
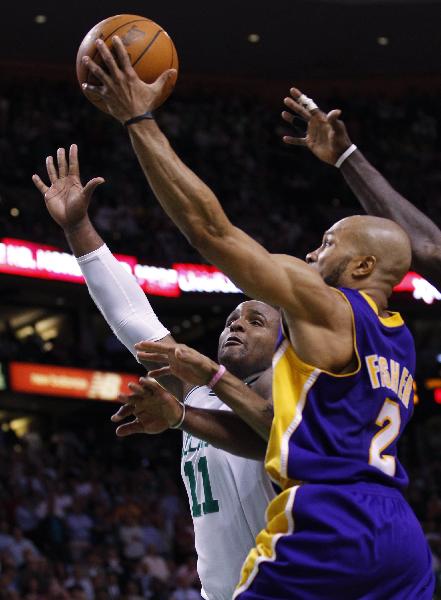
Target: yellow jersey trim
point(293, 379)
point(280, 522)
point(290, 392)
point(393, 320)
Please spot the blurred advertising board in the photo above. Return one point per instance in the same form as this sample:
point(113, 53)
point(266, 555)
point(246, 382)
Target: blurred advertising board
point(28, 259)
point(51, 380)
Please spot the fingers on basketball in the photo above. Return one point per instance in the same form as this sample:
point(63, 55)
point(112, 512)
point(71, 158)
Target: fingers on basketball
point(122, 55)
point(134, 44)
point(107, 58)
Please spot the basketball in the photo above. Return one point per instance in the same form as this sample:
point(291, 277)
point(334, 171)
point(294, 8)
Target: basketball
point(150, 48)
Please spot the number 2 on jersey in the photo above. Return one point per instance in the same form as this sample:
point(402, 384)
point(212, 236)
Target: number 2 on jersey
point(389, 414)
point(210, 505)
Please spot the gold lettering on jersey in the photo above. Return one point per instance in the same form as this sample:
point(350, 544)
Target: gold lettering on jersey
point(373, 370)
point(384, 372)
point(403, 378)
point(390, 375)
point(407, 391)
point(394, 375)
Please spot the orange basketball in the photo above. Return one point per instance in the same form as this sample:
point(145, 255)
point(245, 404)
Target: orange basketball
point(150, 48)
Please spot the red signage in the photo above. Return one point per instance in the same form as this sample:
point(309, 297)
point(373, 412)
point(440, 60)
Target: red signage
point(420, 288)
point(19, 257)
point(203, 278)
point(50, 380)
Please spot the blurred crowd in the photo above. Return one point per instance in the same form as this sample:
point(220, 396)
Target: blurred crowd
point(85, 517)
point(282, 196)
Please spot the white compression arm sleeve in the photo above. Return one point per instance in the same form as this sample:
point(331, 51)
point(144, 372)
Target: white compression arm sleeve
point(120, 299)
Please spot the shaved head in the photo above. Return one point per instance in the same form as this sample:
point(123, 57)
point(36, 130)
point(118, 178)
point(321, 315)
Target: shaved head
point(379, 238)
point(363, 252)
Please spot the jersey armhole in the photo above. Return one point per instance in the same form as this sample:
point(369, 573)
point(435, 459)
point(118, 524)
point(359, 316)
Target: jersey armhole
point(306, 367)
point(190, 391)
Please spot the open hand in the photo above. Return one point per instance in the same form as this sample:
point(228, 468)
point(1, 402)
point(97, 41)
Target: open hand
point(122, 91)
point(326, 134)
point(66, 199)
point(183, 362)
point(154, 408)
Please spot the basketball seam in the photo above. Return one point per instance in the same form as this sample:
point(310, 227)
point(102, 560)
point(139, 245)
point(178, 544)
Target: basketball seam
point(112, 33)
point(148, 46)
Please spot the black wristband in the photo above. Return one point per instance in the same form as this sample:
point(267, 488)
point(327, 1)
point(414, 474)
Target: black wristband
point(146, 115)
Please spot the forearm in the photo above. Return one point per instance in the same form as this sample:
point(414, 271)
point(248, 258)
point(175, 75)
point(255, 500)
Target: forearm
point(224, 430)
point(253, 409)
point(187, 200)
point(83, 238)
point(195, 210)
point(379, 198)
point(120, 299)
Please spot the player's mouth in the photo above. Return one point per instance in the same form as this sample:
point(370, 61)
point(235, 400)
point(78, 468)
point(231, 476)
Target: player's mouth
point(233, 340)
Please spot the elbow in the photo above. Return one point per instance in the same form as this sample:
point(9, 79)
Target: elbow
point(203, 236)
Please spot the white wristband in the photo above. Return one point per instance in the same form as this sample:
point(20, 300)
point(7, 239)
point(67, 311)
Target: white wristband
point(181, 420)
point(345, 155)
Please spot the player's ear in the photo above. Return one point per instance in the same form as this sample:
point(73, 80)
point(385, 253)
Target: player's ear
point(364, 266)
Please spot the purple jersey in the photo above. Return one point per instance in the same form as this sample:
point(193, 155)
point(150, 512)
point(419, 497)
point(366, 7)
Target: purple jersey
point(345, 428)
point(339, 527)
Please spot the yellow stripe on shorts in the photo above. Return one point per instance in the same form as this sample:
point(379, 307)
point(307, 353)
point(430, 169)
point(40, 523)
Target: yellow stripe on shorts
point(280, 522)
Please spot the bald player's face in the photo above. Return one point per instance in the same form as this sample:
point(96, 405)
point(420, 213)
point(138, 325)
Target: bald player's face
point(332, 258)
point(248, 341)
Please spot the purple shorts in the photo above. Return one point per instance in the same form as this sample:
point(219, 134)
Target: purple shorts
point(339, 542)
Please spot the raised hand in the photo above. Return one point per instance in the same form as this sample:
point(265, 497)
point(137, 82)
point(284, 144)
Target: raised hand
point(183, 362)
point(121, 90)
point(66, 199)
point(154, 408)
point(326, 134)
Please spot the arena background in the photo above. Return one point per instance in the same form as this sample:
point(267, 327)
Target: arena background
point(72, 496)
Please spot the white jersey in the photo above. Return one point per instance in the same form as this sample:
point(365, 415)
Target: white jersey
point(228, 496)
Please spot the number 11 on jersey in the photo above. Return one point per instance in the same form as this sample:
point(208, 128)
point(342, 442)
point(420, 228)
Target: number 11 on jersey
point(209, 505)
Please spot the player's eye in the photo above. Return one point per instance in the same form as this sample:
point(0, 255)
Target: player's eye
point(256, 322)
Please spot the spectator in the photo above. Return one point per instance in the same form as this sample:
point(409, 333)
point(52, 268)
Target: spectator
point(131, 536)
point(19, 546)
point(156, 565)
point(80, 526)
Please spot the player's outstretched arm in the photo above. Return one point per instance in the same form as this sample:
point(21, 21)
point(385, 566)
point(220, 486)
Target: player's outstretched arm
point(196, 369)
point(111, 287)
point(114, 291)
point(155, 409)
point(327, 138)
point(282, 281)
